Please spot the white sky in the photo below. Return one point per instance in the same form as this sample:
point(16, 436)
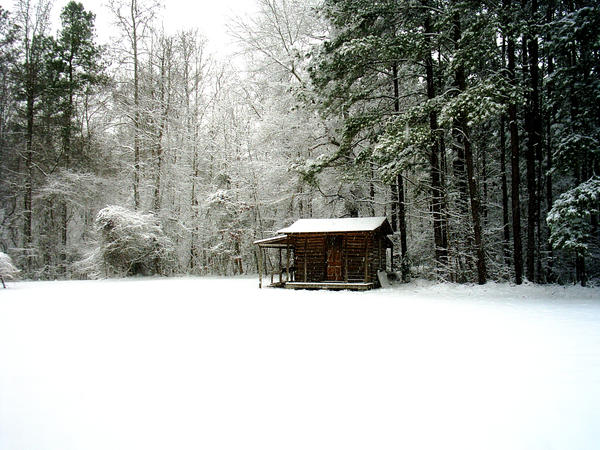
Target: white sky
point(208, 16)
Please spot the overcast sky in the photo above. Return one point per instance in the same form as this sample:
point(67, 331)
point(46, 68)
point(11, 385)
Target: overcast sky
point(209, 16)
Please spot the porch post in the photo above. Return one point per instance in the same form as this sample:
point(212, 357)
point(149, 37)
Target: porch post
point(260, 267)
point(305, 259)
point(367, 260)
point(287, 262)
point(280, 266)
point(346, 258)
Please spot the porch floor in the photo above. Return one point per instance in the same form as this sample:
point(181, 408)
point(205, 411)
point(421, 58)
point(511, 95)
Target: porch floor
point(356, 286)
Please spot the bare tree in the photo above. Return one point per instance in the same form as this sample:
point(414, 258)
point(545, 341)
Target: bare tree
point(134, 19)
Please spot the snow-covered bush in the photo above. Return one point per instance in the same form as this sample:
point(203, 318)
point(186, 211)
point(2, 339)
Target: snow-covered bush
point(130, 243)
point(8, 271)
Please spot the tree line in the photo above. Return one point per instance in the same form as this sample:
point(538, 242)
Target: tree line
point(473, 126)
point(483, 118)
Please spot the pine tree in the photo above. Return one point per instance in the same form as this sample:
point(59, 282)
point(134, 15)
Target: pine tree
point(574, 48)
point(357, 74)
point(77, 61)
point(34, 46)
point(8, 159)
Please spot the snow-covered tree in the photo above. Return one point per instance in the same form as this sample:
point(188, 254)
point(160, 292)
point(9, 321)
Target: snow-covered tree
point(429, 112)
point(570, 221)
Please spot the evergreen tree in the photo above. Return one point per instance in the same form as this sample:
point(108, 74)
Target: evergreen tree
point(77, 63)
point(574, 49)
point(406, 42)
point(8, 157)
point(30, 84)
point(358, 76)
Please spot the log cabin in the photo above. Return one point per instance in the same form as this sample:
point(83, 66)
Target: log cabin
point(343, 253)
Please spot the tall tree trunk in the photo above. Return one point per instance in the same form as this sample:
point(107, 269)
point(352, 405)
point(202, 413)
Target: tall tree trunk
point(372, 190)
point(405, 269)
point(469, 160)
point(394, 202)
point(580, 273)
point(192, 132)
point(194, 207)
point(33, 22)
point(164, 103)
point(515, 172)
point(136, 113)
point(533, 128)
point(67, 131)
point(484, 184)
point(505, 225)
point(537, 137)
point(441, 249)
point(464, 236)
point(549, 144)
point(475, 210)
point(28, 195)
point(400, 184)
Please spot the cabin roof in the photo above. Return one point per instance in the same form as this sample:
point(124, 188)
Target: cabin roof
point(337, 225)
point(273, 242)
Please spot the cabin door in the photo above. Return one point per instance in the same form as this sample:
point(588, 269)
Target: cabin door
point(334, 258)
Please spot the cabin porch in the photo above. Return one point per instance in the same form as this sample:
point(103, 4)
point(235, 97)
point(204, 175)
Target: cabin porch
point(279, 274)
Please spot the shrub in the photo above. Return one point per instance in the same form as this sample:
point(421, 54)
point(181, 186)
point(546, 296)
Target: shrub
point(130, 243)
point(8, 271)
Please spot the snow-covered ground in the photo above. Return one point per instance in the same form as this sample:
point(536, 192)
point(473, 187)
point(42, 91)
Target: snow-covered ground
point(219, 364)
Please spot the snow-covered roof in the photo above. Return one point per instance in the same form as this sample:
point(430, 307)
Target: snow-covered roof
point(335, 225)
point(275, 241)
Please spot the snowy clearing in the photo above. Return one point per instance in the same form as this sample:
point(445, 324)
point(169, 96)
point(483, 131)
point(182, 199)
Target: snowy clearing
point(197, 363)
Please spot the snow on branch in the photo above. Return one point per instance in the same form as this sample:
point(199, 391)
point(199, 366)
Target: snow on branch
point(569, 218)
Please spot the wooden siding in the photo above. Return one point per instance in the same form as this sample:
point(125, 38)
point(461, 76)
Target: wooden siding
point(310, 256)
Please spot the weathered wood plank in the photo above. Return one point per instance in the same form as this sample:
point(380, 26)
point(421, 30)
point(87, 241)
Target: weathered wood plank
point(305, 261)
point(332, 285)
point(361, 256)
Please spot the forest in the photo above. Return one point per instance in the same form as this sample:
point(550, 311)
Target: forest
point(474, 126)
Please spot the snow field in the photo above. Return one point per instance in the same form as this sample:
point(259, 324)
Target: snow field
point(195, 363)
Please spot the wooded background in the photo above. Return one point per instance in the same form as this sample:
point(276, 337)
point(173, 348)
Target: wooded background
point(473, 126)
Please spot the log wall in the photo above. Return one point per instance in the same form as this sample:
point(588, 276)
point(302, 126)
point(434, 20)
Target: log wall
point(310, 256)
